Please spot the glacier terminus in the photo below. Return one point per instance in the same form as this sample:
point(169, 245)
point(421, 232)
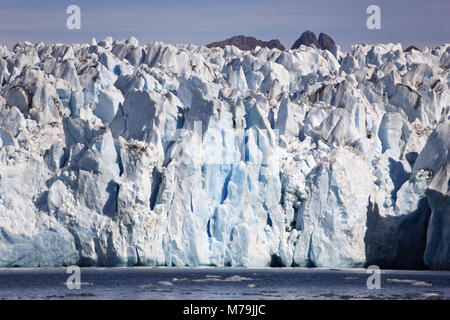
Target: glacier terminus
point(114, 153)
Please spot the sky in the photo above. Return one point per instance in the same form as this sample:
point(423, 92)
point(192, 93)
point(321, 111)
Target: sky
point(410, 22)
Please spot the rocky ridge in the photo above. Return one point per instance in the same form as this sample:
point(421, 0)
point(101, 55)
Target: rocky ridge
point(247, 43)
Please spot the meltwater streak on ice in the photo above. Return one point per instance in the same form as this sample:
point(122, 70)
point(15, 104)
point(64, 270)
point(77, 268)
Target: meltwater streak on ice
point(222, 283)
point(93, 172)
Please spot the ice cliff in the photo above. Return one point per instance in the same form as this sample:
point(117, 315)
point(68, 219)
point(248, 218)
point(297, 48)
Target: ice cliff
point(114, 153)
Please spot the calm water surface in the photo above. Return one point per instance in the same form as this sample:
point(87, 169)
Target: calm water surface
point(221, 283)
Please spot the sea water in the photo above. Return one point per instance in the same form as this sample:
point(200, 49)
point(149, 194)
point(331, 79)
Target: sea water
point(221, 283)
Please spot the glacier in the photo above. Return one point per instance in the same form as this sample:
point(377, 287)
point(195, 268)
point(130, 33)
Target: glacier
point(119, 154)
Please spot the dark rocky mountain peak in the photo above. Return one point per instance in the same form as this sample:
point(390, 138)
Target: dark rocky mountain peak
point(326, 42)
point(307, 38)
